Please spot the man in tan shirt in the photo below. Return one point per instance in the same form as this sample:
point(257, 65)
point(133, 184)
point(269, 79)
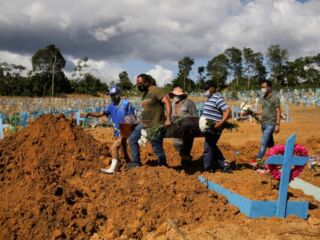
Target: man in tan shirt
point(156, 114)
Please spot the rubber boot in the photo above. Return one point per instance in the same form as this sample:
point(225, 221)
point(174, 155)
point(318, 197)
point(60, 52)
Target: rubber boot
point(115, 164)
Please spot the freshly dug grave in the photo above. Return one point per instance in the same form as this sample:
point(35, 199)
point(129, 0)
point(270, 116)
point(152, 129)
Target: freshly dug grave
point(142, 202)
point(255, 186)
point(39, 199)
point(51, 189)
point(251, 184)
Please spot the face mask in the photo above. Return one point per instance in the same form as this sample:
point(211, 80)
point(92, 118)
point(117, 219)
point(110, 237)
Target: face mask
point(142, 88)
point(263, 90)
point(207, 93)
point(176, 98)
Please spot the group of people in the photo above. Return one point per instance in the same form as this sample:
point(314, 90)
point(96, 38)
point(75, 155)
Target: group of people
point(158, 112)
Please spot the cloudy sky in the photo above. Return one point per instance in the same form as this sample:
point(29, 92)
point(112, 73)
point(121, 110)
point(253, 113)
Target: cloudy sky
point(151, 36)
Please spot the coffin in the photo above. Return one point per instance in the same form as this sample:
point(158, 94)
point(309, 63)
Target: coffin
point(179, 128)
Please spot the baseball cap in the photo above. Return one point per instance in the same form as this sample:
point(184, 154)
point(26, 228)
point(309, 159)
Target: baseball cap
point(115, 90)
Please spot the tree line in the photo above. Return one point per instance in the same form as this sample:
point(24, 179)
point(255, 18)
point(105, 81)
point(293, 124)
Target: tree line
point(235, 69)
point(244, 69)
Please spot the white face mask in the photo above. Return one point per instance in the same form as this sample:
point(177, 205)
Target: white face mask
point(176, 98)
point(263, 90)
point(207, 93)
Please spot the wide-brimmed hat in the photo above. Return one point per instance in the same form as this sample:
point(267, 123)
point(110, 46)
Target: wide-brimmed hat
point(177, 91)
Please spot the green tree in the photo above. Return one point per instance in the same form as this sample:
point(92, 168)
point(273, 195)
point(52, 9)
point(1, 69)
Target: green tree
point(80, 69)
point(183, 80)
point(11, 80)
point(217, 70)
point(201, 77)
point(276, 61)
point(90, 85)
point(254, 70)
point(47, 62)
point(234, 56)
point(124, 81)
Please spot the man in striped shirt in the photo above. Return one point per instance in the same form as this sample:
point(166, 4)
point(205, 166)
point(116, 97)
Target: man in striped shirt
point(215, 109)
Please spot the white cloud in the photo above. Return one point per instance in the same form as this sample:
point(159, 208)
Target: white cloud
point(17, 59)
point(36, 12)
point(105, 34)
point(103, 70)
point(162, 75)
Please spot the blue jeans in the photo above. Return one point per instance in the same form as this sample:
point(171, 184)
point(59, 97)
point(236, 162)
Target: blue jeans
point(157, 146)
point(211, 151)
point(266, 139)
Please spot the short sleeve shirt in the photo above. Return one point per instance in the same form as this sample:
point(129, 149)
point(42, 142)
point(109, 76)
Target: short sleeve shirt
point(214, 107)
point(118, 113)
point(153, 108)
point(269, 113)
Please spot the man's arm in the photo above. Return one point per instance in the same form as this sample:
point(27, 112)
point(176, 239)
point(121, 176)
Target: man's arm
point(226, 115)
point(94, 114)
point(277, 129)
point(167, 105)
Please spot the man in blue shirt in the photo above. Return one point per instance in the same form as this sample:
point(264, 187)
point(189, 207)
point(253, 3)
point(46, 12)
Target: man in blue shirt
point(215, 109)
point(118, 110)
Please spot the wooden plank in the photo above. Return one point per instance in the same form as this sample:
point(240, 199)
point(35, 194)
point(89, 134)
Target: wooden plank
point(257, 209)
point(1, 129)
point(307, 188)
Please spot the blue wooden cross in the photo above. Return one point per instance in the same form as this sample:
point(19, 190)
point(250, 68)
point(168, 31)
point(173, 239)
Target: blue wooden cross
point(24, 119)
point(1, 128)
point(80, 119)
point(279, 208)
point(287, 161)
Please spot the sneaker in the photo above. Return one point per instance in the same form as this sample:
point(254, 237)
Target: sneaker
point(132, 165)
point(226, 169)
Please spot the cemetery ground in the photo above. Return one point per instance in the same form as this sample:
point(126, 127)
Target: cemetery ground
point(51, 187)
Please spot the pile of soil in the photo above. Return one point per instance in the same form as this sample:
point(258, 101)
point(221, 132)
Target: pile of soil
point(38, 168)
point(51, 190)
point(313, 145)
point(143, 202)
point(312, 175)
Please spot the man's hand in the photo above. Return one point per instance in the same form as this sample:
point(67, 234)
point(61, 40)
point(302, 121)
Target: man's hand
point(218, 125)
point(277, 129)
point(167, 123)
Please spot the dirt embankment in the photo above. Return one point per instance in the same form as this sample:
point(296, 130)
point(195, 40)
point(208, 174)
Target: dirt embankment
point(39, 170)
point(51, 190)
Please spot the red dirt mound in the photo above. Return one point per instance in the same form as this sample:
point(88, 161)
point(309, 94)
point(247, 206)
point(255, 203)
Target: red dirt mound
point(37, 166)
point(51, 190)
point(141, 202)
